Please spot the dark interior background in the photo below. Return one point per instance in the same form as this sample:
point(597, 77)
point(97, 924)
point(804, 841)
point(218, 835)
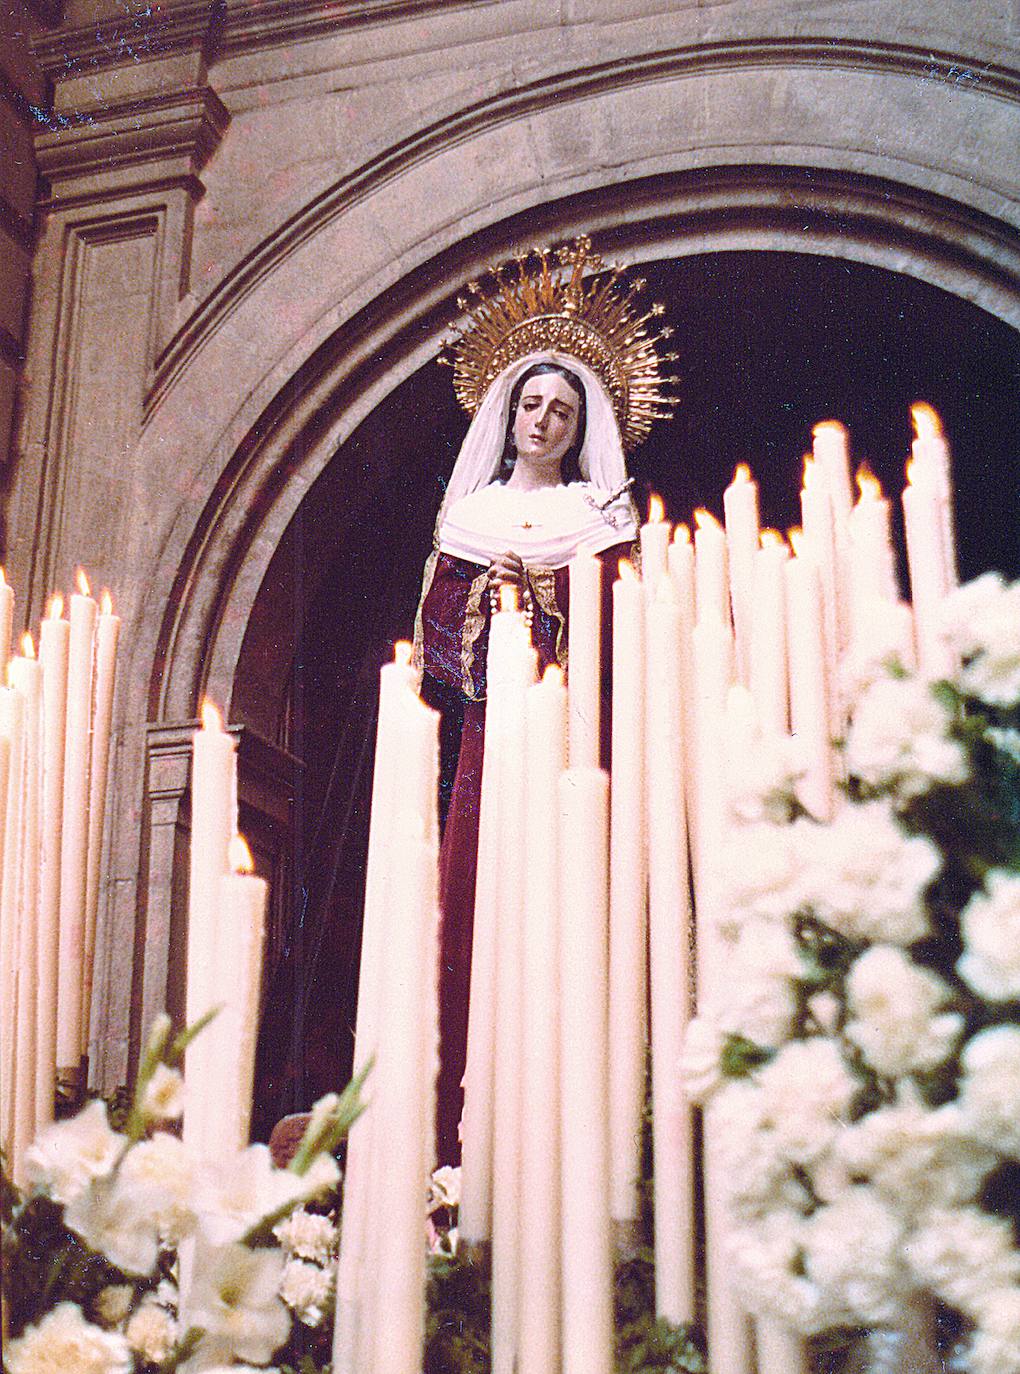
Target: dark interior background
point(770, 343)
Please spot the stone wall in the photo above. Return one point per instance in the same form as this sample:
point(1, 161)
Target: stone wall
point(254, 224)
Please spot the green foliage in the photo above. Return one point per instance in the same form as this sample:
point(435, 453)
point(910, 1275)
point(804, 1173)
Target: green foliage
point(740, 1056)
point(457, 1323)
point(643, 1342)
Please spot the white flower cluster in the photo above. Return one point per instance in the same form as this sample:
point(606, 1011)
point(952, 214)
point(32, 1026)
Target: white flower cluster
point(859, 1066)
point(131, 1198)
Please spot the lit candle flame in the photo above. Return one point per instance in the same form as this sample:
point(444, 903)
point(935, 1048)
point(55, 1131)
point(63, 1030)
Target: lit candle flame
point(239, 856)
point(55, 608)
point(82, 583)
point(211, 718)
point(106, 602)
point(3, 579)
point(682, 534)
point(656, 510)
point(553, 675)
point(911, 469)
point(824, 427)
point(796, 537)
point(868, 484)
point(705, 520)
point(771, 539)
point(741, 474)
point(402, 653)
point(926, 421)
point(809, 464)
point(628, 573)
point(508, 597)
point(27, 645)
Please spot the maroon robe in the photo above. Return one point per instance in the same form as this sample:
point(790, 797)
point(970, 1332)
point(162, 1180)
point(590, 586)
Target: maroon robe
point(455, 617)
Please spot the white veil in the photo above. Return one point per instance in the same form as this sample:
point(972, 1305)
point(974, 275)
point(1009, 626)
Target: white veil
point(601, 459)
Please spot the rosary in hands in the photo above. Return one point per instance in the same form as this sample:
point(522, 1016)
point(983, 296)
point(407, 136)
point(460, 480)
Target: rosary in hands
point(507, 569)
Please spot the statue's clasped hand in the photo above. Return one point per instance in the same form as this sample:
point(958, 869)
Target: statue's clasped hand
point(507, 569)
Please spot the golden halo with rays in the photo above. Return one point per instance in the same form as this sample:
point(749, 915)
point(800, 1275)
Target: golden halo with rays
point(569, 301)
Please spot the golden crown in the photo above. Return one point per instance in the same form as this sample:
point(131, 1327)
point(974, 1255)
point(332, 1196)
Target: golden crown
point(567, 300)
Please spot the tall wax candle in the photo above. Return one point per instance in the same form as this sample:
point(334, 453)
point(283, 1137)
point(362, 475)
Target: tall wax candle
point(402, 1101)
point(6, 620)
point(808, 665)
point(669, 920)
point(831, 452)
point(74, 835)
point(24, 675)
point(819, 542)
point(654, 543)
point(240, 940)
point(681, 570)
point(740, 510)
point(627, 881)
point(107, 633)
point(584, 675)
point(12, 726)
point(540, 1286)
point(930, 452)
point(929, 577)
point(871, 558)
point(710, 581)
point(507, 688)
point(213, 823)
point(54, 647)
point(768, 634)
point(587, 1256)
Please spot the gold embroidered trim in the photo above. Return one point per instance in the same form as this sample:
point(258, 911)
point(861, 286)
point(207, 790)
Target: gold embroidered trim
point(474, 619)
point(543, 586)
point(418, 654)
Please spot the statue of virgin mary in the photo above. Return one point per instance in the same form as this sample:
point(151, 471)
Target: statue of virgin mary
point(541, 474)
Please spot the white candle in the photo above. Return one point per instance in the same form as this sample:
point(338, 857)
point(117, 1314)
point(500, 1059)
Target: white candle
point(584, 663)
point(107, 632)
point(213, 823)
point(627, 878)
point(768, 634)
point(871, 557)
point(508, 681)
point(402, 1100)
point(831, 450)
point(24, 675)
point(6, 620)
point(809, 695)
point(740, 509)
point(587, 1257)
point(669, 915)
point(654, 543)
point(780, 1350)
point(710, 583)
point(74, 835)
point(540, 1290)
point(819, 539)
point(930, 452)
point(12, 726)
point(681, 570)
point(929, 577)
point(54, 644)
point(240, 939)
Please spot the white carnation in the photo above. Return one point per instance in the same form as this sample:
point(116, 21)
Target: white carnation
point(767, 1263)
point(235, 1298)
point(897, 1022)
point(852, 1252)
point(995, 1346)
point(761, 868)
point(163, 1165)
point(306, 1289)
point(444, 1187)
point(67, 1156)
point(912, 1160)
point(116, 1218)
point(990, 923)
point(982, 624)
point(700, 1069)
point(806, 1092)
point(988, 1104)
point(898, 736)
point(866, 878)
point(307, 1235)
point(152, 1332)
point(114, 1302)
point(760, 1001)
point(962, 1254)
point(64, 1341)
point(746, 1153)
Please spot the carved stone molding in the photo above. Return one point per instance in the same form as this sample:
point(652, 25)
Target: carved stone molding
point(137, 145)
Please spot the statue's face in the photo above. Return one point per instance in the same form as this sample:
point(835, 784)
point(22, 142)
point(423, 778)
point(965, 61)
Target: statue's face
point(546, 420)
